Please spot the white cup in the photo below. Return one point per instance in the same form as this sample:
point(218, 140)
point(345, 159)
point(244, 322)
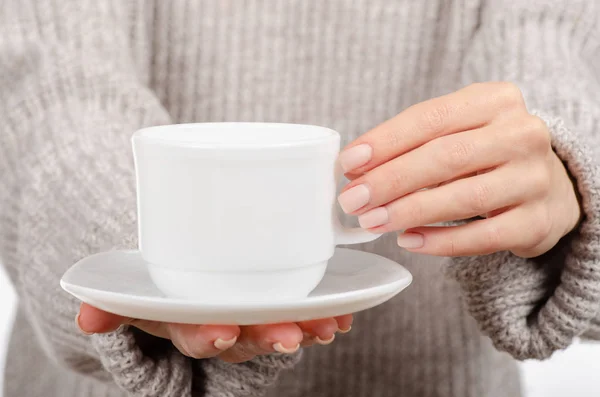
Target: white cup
point(238, 211)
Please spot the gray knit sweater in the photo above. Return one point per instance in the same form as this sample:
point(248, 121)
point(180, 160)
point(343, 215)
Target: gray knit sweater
point(77, 77)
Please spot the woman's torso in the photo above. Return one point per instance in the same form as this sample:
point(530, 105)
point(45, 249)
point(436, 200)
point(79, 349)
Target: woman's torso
point(347, 65)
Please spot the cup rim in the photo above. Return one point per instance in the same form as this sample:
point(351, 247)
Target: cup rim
point(148, 135)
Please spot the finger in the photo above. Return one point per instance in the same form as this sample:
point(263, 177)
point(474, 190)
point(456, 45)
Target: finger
point(465, 109)
point(322, 330)
point(436, 162)
point(197, 341)
point(283, 338)
point(517, 229)
point(202, 341)
point(93, 320)
point(264, 339)
point(344, 323)
point(462, 199)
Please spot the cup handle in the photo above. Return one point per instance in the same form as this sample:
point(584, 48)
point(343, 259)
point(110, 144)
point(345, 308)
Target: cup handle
point(344, 235)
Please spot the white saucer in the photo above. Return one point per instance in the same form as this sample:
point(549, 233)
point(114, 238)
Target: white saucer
point(119, 282)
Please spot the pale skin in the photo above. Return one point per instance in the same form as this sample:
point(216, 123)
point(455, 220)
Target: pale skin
point(474, 153)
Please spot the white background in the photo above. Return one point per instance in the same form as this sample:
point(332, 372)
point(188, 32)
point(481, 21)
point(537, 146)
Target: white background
point(574, 372)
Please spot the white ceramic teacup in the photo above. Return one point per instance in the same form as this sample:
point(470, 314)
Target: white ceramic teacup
point(238, 211)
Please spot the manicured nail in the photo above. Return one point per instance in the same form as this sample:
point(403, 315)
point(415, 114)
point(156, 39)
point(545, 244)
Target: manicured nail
point(225, 344)
point(355, 157)
point(354, 198)
point(375, 217)
point(79, 326)
point(324, 341)
point(278, 347)
point(345, 331)
point(410, 240)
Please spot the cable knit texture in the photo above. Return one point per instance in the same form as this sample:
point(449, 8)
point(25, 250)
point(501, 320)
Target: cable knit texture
point(227, 380)
point(78, 77)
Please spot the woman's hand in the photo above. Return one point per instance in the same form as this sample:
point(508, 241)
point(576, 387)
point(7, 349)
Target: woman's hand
point(228, 342)
point(474, 153)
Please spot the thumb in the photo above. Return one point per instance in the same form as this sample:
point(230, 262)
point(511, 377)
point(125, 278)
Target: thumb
point(91, 320)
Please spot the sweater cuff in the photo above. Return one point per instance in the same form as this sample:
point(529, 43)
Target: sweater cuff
point(251, 378)
point(173, 374)
point(154, 367)
point(169, 374)
point(530, 308)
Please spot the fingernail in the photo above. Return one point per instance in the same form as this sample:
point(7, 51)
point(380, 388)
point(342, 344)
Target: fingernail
point(375, 217)
point(410, 240)
point(79, 326)
point(225, 344)
point(324, 341)
point(345, 331)
point(355, 157)
point(354, 198)
point(278, 347)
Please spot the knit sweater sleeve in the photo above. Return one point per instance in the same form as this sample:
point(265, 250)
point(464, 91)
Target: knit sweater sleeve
point(550, 50)
point(70, 99)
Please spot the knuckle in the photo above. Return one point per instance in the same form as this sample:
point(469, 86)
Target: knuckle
point(535, 123)
point(434, 119)
point(458, 155)
point(536, 133)
point(450, 246)
point(479, 87)
point(540, 180)
point(492, 238)
point(415, 214)
point(395, 183)
point(479, 198)
point(510, 94)
point(392, 138)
